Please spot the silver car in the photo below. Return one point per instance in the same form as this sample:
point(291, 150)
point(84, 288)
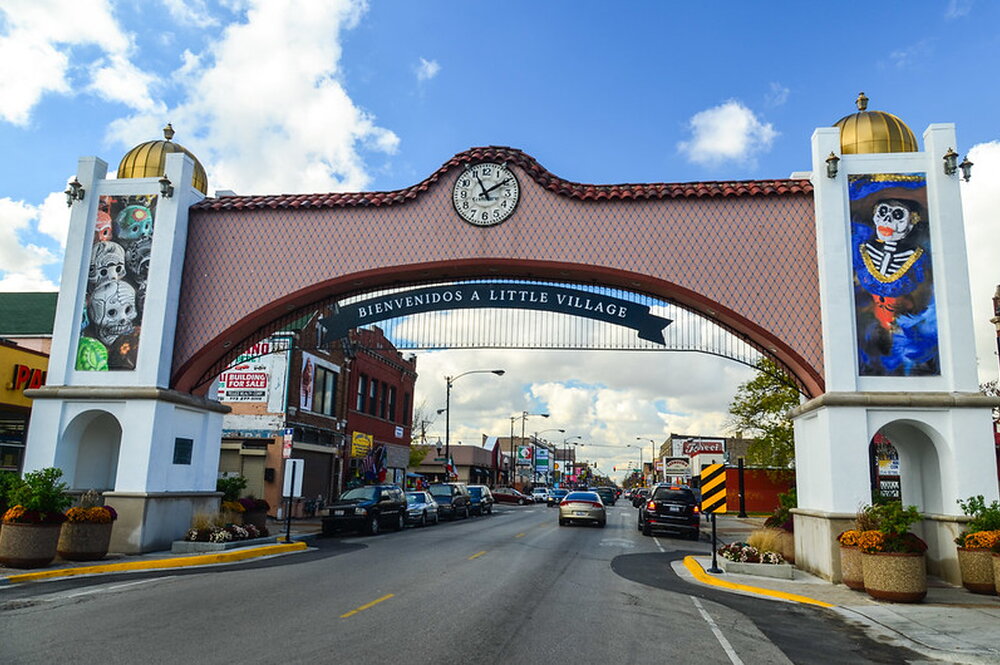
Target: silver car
point(582, 507)
point(421, 508)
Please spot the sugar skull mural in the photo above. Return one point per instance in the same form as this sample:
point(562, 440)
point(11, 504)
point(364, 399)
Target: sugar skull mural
point(116, 289)
point(893, 284)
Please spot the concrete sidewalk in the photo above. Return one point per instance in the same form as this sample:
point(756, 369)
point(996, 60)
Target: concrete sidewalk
point(952, 624)
point(302, 531)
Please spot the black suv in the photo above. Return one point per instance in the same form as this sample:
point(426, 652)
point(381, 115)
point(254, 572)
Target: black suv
point(452, 498)
point(481, 500)
point(670, 507)
point(368, 509)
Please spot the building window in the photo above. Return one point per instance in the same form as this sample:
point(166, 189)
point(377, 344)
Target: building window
point(383, 401)
point(373, 397)
point(362, 390)
point(406, 408)
point(325, 397)
point(182, 450)
point(392, 403)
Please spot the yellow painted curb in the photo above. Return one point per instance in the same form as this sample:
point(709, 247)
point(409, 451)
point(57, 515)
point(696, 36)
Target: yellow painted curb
point(231, 556)
point(699, 574)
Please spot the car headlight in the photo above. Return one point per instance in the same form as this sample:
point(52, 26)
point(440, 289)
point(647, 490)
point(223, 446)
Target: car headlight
point(360, 511)
point(413, 511)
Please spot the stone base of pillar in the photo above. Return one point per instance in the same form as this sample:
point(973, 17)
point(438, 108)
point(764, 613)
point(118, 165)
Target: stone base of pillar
point(816, 548)
point(151, 521)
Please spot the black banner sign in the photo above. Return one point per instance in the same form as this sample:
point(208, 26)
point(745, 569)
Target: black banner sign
point(497, 295)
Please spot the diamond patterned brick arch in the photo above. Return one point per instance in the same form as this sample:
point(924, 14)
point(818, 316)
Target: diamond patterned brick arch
point(740, 253)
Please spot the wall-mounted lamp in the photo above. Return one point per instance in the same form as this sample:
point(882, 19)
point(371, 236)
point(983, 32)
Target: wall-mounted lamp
point(832, 163)
point(166, 189)
point(74, 192)
point(950, 162)
point(966, 167)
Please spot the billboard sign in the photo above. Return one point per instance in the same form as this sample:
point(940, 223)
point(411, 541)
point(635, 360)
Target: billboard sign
point(691, 447)
point(524, 455)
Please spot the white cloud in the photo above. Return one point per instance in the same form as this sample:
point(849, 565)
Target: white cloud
point(427, 69)
point(911, 55)
point(980, 203)
point(191, 12)
point(47, 34)
point(265, 108)
point(958, 8)
point(777, 95)
point(21, 263)
point(727, 132)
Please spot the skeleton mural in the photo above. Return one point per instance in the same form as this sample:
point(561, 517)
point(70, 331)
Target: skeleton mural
point(119, 267)
point(894, 305)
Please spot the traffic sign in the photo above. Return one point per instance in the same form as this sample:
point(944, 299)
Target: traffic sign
point(713, 488)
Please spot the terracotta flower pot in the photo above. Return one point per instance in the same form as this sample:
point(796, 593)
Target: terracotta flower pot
point(851, 572)
point(895, 576)
point(84, 541)
point(977, 570)
point(28, 545)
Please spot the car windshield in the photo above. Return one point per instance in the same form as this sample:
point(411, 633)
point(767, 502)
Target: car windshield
point(359, 493)
point(560, 493)
point(672, 494)
point(583, 496)
point(441, 490)
point(476, 492)
point(415, 497)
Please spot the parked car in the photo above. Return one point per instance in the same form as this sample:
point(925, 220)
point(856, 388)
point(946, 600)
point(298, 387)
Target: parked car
point(421, 508)
point(607, 495)
point(539, 494)
point(482, 500)
point(556, 495)
point(452, 498)
point(368, 508)
point(671, 508)
point(639, 496)
point(582, 507)
point(511, 495)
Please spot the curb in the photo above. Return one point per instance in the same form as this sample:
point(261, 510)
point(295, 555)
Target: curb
point(699, 574)
point(231, 556)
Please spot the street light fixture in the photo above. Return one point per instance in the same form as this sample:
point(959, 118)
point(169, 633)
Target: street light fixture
point(566, 444)
point(524, 415)
point(449, 380)
point(652, 452)
point(641, 474)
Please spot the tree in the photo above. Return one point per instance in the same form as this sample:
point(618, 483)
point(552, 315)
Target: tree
point(760, 410)
point(991, 389)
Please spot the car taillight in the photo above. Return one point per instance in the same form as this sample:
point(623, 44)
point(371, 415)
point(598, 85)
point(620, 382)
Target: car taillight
point(651, 505)
point(696, 509)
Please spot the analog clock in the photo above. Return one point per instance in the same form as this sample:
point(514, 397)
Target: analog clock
point(486, 193)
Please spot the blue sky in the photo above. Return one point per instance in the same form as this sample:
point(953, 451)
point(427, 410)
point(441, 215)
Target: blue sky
point(288, 96)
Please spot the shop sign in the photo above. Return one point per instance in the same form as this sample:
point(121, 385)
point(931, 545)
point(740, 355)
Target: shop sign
point(361, 444)
point(696, 446)
point(27, 377)
point(524, 455)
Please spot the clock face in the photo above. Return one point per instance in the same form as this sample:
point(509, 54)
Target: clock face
point(486, 194)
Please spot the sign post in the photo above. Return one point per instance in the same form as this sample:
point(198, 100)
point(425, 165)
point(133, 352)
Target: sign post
point(294, 469)
point(713, 500)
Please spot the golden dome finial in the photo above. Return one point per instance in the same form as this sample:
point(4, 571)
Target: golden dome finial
point(868, 132)
point(168, 132)
point(148, 160)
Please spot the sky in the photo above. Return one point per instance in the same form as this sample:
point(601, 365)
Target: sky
point(280, 96)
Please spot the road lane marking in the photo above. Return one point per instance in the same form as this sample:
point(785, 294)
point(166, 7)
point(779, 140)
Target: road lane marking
point(699, 574)
point(658, 545)
point(477, 555)
point(726, 646)
point(367, 605)
point(520, 535)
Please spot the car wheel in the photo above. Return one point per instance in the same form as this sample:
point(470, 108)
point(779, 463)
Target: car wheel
point(400, 522)
point(562, 522)
point(520, 502)
point(638, 525)
point(646, 531)
point(602, 523)
point(695, 535)
point(466, 514)
point(373, 525)
point(423, 519)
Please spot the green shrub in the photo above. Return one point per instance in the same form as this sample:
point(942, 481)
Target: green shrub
point(42, 491)
point(231, 487)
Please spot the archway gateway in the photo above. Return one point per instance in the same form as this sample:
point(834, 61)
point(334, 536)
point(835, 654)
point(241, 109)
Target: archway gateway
point(162, 288)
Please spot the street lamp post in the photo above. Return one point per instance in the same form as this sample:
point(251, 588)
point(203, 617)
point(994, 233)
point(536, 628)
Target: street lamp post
point(534, 447)
point(524, 415)
point(641, 474)
point(449, 380)
point(566, 444)
point(652, 452)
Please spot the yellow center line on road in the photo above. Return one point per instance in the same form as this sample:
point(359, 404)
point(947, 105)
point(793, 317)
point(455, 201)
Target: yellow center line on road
point(520, 535)
point(367, 605)
point(477, 555)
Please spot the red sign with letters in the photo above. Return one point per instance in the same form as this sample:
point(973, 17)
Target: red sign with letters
point(28, 377)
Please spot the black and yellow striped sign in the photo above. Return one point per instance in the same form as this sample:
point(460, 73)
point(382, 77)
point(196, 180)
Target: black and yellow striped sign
point(713, 488)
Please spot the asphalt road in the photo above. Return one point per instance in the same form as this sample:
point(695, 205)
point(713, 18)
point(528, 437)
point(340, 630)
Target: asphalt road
point(510, 588)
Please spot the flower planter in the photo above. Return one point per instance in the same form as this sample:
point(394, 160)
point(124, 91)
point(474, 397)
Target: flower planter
point(996, 572)
point(28, 545)
point(781, 571)
point(977, 570)
point(84, 541)
point(256, 517)
point(895, 576)
point(851, 572)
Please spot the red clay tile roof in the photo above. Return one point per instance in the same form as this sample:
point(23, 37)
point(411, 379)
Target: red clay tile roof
point(529, 165)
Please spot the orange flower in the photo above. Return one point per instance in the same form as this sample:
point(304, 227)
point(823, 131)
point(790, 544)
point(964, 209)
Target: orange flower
point(871, 541)
point(849, 538)
point(982, 540)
